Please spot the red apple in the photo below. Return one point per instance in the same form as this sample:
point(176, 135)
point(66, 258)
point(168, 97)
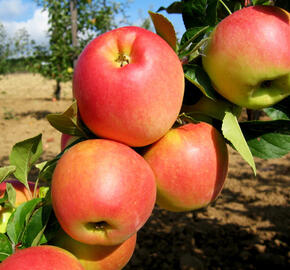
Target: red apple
point(96, 257)
point(248, 56)
point(22, 195)
point(129, 86)
point(66, 140)
point(41, 258)
point(102, 192)
point(190, 164)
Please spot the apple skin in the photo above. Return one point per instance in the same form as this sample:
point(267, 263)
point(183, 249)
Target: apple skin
point(190, 165)
point(102, 192)
point(41, 257)
point(136, 103)
point(22, 195)
point(248, 56)
point(66, 140)
point(96, 257)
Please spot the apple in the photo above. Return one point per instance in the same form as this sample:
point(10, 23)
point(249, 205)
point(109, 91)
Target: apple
point(66, 140)
point(248, 56)
point(22, 195)
point(129, 86)
point(96, 257)
point(190, 165)
point(102, 192)
point(41, 257)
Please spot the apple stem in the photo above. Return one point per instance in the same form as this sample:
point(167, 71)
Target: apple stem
point(29, 191)
point(35, 187)
point(226, 7)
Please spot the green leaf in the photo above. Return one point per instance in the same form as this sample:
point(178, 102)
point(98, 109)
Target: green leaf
point(51, 229)
point(280, 110)
point(193, 34)
point(6, 212)
point(11, 193)
point(23, 156)
point(19, 219)
point(196, 75)
point(267, 139)
point(164, 29)
point(36, 226)
point(40, 165)
point(6, 248)
point(43, 192)
point(232, 132)
point(199, 13)
point(6, 171)
point(275, 114)
point(47, 171)
point(67, 122)
point(175, 7)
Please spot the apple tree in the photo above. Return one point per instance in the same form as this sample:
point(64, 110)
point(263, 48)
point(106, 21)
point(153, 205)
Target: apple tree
point(71, 25)
point(34, 223)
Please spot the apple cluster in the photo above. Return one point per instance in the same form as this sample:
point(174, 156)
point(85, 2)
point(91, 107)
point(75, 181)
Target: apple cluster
point(129, 87)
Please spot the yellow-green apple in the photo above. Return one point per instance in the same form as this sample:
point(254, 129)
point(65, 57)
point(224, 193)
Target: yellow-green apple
point(44, 257)
point(102, 192)
point(66, 140)
point(190, 165)
point(129, 86)
point(22, 195)
point(248, 56)
point(96, 257)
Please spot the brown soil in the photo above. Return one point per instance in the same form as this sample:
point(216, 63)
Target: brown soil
point(246, 228)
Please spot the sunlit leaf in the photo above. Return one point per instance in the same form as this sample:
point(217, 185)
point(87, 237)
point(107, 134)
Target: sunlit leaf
point(67, 122)
point(6, 171)
point(11, 193)
point(19, 219)
point(233, 133)
point(24, 155)
point(164, 28)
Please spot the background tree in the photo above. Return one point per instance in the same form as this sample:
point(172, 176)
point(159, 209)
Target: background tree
point(22, 43)
point(4, 49)
point(72, 24)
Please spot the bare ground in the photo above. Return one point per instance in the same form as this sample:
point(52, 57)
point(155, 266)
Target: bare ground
point(248, 227)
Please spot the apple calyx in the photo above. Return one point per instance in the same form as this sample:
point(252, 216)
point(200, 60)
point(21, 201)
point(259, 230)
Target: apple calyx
point(266, 84)
point(98, 226)
point(123, 59)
